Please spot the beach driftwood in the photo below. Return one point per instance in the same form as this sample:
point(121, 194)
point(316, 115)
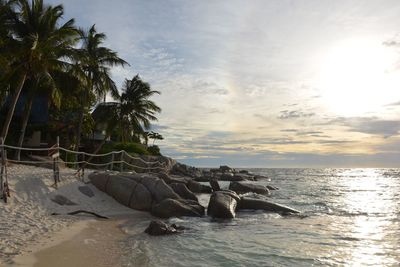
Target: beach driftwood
point(83, 211)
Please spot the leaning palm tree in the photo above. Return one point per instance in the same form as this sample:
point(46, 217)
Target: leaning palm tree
point(95, 62)
point(39, 45)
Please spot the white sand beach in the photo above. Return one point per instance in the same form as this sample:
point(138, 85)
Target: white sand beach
point(29, 233)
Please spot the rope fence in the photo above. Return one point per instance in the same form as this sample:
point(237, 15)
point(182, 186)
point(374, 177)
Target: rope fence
point(120, 160)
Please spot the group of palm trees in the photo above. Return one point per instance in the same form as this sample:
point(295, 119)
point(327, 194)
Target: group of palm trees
point(42, 54)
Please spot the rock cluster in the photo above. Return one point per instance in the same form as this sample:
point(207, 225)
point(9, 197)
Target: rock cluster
point(174, 194)
point(146, 192)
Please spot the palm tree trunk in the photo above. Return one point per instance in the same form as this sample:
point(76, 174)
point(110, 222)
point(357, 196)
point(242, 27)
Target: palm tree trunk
point(25, 119)
point(96, 150)
point(79, 130)
point(11, 108)
point(80, 122)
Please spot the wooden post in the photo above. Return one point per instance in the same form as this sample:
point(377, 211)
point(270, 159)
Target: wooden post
point(83, 166)
point(112, 162)
point(58, 159)
point(2, 166)
point(122, 161)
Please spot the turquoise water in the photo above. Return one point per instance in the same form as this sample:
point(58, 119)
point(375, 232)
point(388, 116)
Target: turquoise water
point(351, 217)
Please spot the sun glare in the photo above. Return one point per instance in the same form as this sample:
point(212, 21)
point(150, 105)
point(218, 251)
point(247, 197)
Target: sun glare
point(358, 76)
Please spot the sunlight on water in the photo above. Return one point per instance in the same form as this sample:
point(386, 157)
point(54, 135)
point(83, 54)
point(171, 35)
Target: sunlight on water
point(350, 218)
point(368, 197)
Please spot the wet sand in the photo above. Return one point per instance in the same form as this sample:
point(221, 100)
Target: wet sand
point(86, 243)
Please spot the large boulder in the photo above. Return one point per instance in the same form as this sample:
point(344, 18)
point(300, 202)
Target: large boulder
point(141, 198)
point(183, 191)
point(243, 188)
point(157, 228)
point(120, 188)
point(223, 204)
point(225, 168)
point(100, 180)
point(177, 208)
point(197, 187)
point(259, 204)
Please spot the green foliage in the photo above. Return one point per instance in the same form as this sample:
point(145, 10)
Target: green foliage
point(131, 148)
point(154, 150)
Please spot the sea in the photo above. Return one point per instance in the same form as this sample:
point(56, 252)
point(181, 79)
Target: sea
point(349, 217)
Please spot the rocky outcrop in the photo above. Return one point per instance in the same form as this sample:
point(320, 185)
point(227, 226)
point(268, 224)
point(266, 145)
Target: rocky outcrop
point(185, 170)
point(191, 184)
point(177, 208)
point(157, 228)
point(223, 204)
point(146, 192)
point(243, 188)
point(259, 204)
point(183, 191)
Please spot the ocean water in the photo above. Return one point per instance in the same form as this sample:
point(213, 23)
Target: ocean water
point(350, 217)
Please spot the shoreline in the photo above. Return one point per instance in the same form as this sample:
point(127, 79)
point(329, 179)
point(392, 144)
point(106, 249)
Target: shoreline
point(84, 243)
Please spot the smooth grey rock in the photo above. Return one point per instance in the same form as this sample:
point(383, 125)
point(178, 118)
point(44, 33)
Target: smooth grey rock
point(243, 188)
point(63, 201)
point(258, 204)
point(222, 205)
point(120, 188)
point(176, 208)
point(140, 198)
point(86, 191)
point(183, 191)
point(100, 180)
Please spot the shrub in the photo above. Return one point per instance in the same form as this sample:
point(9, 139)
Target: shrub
point(154, 150)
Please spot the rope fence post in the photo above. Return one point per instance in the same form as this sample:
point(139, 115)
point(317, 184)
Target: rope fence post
point(2, 167)
point(83, 166)
point(112, 162)
point(58, 159)
point(121, 167)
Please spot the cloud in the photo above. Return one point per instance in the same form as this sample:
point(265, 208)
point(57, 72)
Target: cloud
point(394, 104)
point(294, 114)
point(368, 125)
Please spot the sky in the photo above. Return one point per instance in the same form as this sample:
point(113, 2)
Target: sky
point(270, 83)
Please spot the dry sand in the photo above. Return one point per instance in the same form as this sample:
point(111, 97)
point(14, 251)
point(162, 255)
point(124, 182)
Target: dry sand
point(31, 236)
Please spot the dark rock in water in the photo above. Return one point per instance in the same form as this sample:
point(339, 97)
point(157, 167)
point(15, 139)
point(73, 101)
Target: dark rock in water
point(61, 200)
point(271, 187)
point(258, 204)
point(243, 188)
point(86, 191)
point(223, 204)
point(157, 228)
point(234, 177)
point(225, 168)
point(177, 208)
point(183, 191)
point(244, 171)
point(215, 185)
point(197, 187)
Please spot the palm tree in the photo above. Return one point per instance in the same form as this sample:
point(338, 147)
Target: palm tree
point(39, 45)
point(95, 62)
point(155, 136)
point(132, 113)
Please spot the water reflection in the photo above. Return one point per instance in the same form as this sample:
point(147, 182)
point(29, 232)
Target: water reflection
point(370, 198)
